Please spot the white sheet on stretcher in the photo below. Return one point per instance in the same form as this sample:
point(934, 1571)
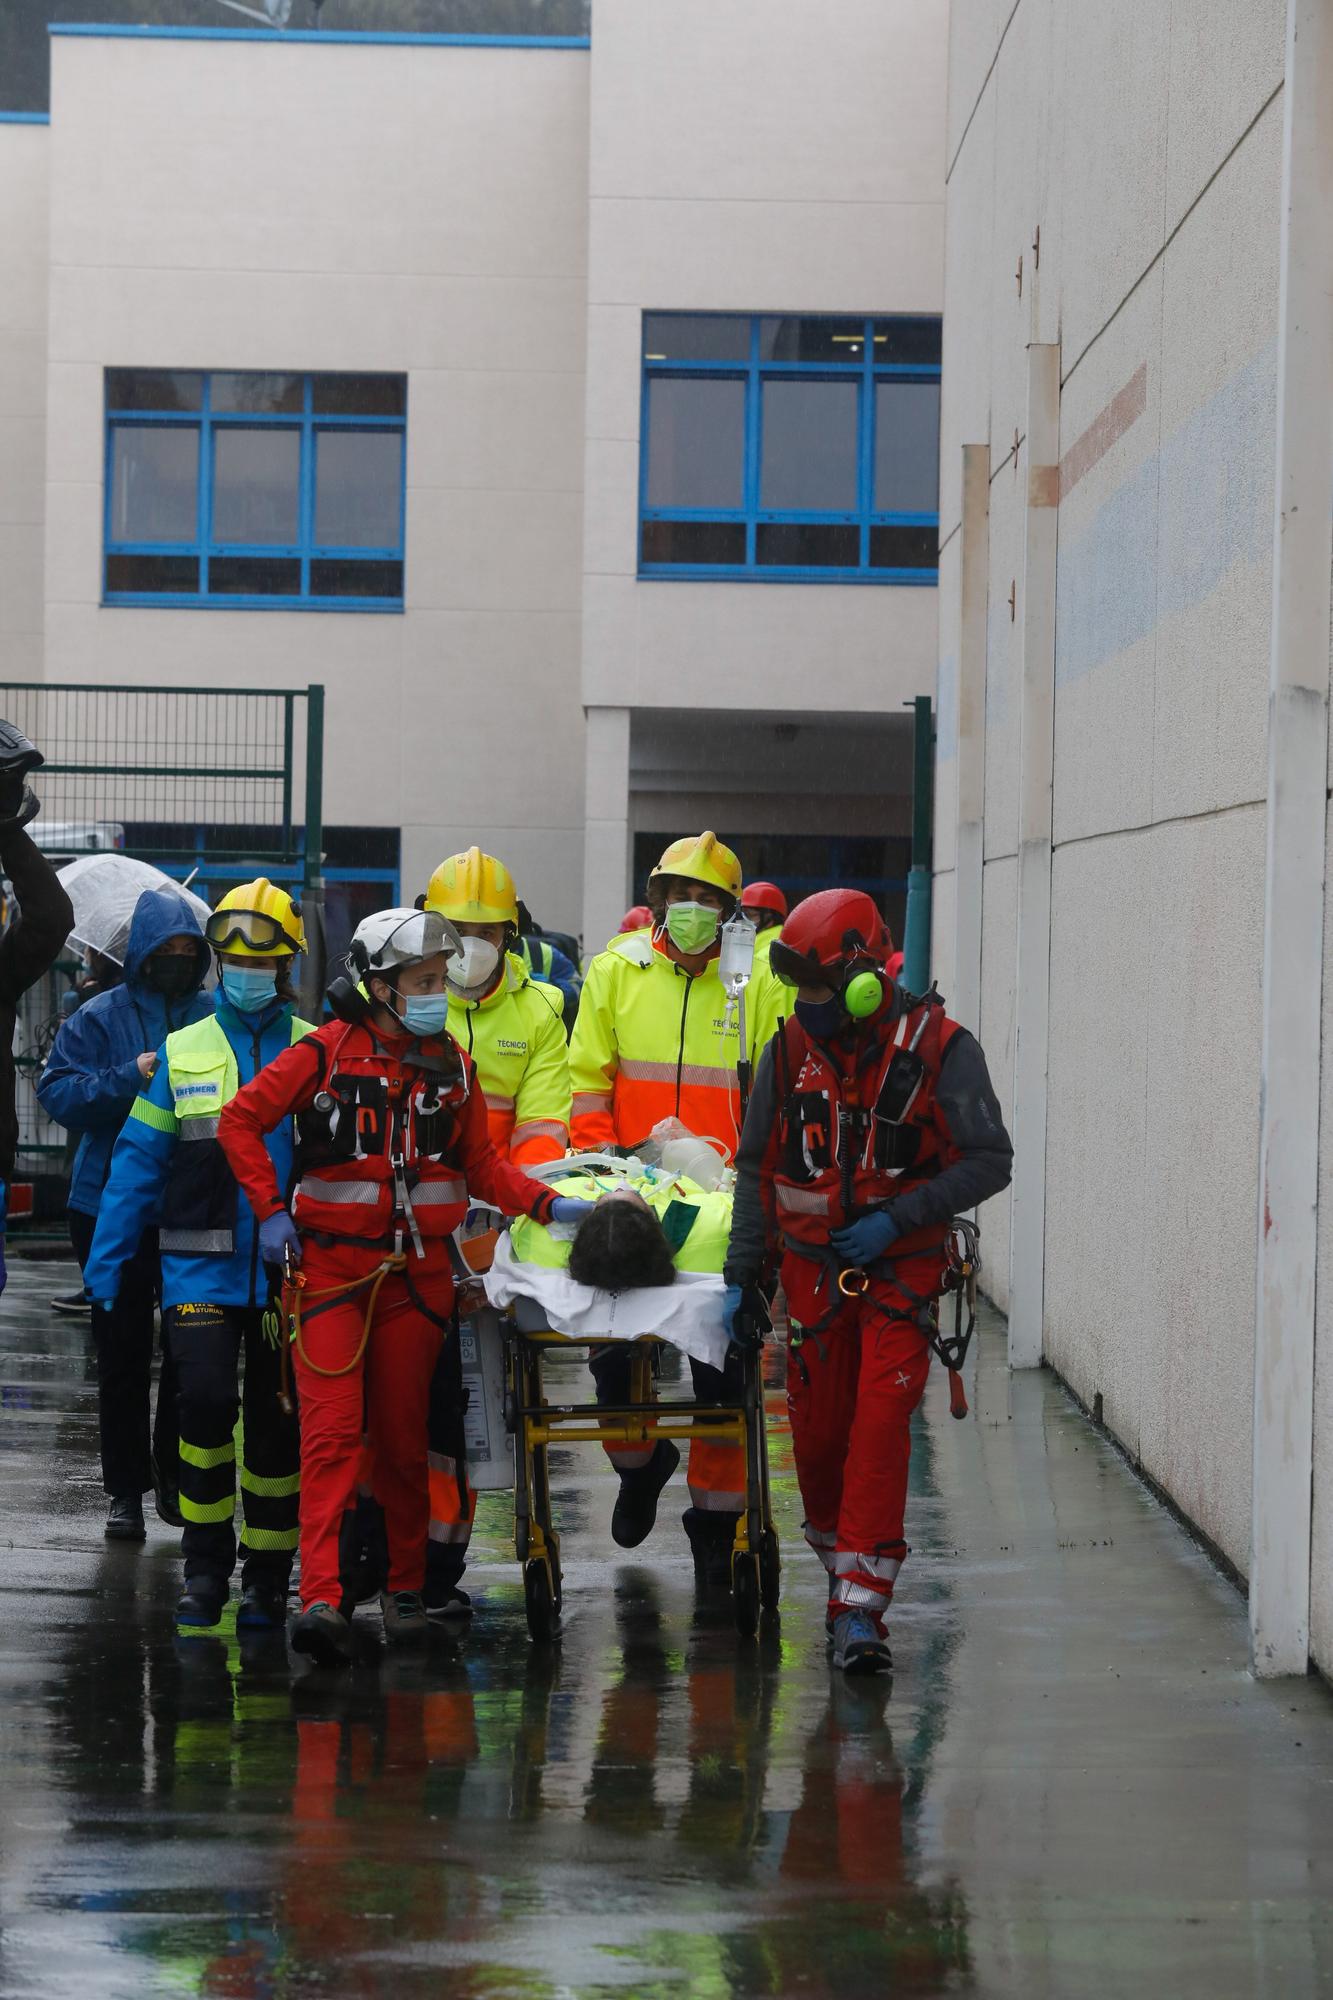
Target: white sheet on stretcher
point(687, 1314)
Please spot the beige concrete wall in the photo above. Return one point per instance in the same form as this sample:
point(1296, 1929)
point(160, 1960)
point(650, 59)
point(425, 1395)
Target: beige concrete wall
point(1146, 148)
point(780, 155)
point(24, 174)
point(239, 205)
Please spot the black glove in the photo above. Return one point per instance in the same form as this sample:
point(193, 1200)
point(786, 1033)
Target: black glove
point(746, 1315)
point(18, 801)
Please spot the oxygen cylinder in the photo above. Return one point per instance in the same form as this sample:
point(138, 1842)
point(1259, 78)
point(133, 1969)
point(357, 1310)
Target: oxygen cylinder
point(490, 1448)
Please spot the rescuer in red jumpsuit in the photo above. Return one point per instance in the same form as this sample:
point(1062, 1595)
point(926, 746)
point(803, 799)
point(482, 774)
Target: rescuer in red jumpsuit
point(872, 1123)
point(392, 1140)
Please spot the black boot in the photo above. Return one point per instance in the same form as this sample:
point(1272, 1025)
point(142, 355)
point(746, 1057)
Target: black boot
point(202, 1600)
point(636, 1504)
point(263, 1608)
point(166, 1498)
point(124, 1523)
point(711, 1538)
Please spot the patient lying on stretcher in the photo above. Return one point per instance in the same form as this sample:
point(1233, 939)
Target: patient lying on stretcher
point(620, 1245)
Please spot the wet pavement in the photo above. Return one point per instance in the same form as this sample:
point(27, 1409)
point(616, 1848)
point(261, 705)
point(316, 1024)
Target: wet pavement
point(1070, 1787)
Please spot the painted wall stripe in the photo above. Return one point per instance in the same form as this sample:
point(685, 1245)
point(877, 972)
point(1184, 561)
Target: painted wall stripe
point(1106, 429)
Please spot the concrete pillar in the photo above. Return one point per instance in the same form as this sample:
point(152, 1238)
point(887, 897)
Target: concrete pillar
point(606, 851)
point(1298, 692)
point(974, 572)
point(1027, 1227)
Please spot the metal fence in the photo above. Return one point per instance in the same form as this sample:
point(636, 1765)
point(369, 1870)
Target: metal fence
point(186, 778)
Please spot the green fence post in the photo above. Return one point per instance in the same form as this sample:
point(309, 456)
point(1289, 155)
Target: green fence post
point(916, 935)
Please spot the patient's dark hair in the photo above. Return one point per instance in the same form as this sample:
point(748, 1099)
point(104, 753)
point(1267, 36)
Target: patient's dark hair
point(620, 1245)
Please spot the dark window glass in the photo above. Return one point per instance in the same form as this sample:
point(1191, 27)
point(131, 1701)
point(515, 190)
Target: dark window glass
point(257, 486)
point(257, 395)
point(254, 576)
point(904, 548)
point(359, 395)
point(358, 489)
point(695, 337)
point(345, 577)
point(807, 545)
point(693, 542)
point(696, 442)
point(179, 574)
point(809, 446)
point(792, 339)
point(153, 389)
point(154, 483)
point(908, 341)
point(907, 447)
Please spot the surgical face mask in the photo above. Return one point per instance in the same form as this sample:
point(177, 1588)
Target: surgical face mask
point(425, 1013)
point(474, 971)
point(822, 1019)
point(249, 992)
point(692, 927)
point(172, 975)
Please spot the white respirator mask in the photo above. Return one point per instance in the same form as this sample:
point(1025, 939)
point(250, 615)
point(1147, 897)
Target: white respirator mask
point(474, 971)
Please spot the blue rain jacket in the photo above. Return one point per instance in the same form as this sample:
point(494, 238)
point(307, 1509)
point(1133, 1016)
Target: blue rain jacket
point(142, 1163)
point(92, 1076)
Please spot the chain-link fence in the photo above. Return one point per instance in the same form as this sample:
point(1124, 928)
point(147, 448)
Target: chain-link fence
point(189, 779)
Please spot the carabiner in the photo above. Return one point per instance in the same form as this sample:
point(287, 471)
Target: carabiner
point(853, 1283)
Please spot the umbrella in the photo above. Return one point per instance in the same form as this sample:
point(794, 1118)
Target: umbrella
point(104, 889)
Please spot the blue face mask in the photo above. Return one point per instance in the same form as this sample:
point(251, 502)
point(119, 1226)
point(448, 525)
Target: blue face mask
point(249, 992)
point(823, 1019)
point(425, 1013)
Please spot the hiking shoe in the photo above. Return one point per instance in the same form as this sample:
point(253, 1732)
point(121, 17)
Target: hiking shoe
point(636, 1504)
point(712, 1538)
point(447, 1603)
point(405, 1622)
point(323, 1634)
point(202, 1600)
point(124, 1522)
point(263, 1608)
point(76, 1304)
point(859, 1647)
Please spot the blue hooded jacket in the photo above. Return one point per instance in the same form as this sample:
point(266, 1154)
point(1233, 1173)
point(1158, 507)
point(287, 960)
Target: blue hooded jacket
point(92, 1077)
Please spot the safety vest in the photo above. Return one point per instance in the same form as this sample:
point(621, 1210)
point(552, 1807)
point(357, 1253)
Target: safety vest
point(845, 1144)
point(697, 1221)
point(653, 1042)
point(376, 1150)
point(516, 1038)
point(537, 955)
point(198, 1213)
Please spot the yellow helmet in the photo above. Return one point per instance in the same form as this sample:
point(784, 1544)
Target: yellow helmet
point(473, 888)
point(257, 920)
point(702, 858)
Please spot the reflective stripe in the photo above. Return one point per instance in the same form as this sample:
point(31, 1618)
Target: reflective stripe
point(313, 1187)
point(439, 1461)
point(205, 1126)
point(153, 1115)
point(280, 1487)
point(586, 1101)
point(713, 1502)
point(206, 1456)
point(822, 1542)
point(266, 1538)
point(629, 1457)
point(860, 1596)
point(848, 1563)
point(450, 1531)
point(202, 1512)
point(494, 1102)
point(538, 1128)
point(197, 1242)
point(702, 1076)
point(437, 1194)
point(804, 1201)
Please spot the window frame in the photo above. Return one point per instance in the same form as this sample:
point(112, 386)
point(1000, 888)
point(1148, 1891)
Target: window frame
point(204, 549)
point(754, 372)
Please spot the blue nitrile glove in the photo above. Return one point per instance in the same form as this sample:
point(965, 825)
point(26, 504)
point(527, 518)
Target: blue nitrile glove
point(861, 1242)
point(277, 1235)
point(566, 1209)
point(733, 1298)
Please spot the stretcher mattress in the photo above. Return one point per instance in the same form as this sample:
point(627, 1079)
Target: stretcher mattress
point(687, 1315)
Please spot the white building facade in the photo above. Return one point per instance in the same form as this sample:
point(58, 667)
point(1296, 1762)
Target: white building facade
point(326, 359)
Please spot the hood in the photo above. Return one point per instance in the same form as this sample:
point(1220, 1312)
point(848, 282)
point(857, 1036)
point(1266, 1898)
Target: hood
point(160, 914)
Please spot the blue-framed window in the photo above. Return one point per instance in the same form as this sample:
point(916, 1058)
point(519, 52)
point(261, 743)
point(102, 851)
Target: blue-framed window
point(255, 491)
point(790, 447)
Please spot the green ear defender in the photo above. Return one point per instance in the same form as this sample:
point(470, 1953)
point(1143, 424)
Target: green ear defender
point(863, 994)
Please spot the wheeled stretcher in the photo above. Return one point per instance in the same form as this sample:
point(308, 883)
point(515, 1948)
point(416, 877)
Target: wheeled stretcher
point(545, 1311)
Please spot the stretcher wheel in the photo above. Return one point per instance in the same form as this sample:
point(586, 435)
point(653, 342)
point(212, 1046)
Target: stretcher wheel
point(745, 1593)
point(770, 1570)
point(539, 1601)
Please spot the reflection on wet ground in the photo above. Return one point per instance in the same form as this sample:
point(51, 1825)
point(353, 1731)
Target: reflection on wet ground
point(1071, 1786)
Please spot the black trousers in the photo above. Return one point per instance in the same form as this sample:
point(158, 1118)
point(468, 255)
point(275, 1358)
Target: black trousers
point(124, 1342)
point(207, 1342)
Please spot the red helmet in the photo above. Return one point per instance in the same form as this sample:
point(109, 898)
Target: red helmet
point(764, 896)
point(637, 919)
point(829, 938)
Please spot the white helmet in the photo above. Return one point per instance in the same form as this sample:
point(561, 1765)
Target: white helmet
point(390, 938)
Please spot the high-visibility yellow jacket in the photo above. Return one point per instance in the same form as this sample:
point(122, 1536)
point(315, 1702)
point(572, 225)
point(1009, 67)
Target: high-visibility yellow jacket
point(763, 946)
point(697, 1221)
point(516, 1037)
point(649, 1044)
